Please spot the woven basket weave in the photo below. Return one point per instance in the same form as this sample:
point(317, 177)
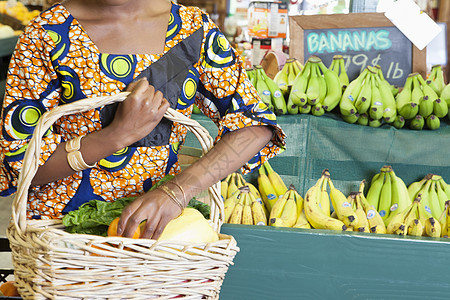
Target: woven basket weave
point(50, 263)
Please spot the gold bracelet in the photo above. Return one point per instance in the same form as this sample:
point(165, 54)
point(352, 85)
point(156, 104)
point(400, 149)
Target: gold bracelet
point(181, 189)
point(74, 156)
point(171, 195)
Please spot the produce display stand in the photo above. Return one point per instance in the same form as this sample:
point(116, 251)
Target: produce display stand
point(288, 263)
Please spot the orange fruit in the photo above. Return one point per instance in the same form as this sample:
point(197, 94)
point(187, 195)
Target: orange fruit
point(112, 229)
point(9, 289)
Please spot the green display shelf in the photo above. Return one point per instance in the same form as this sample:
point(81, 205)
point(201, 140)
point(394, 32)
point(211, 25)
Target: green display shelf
point(288, 263)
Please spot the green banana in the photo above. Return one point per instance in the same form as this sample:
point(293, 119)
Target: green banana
point(440, 108)
point(313, 90)
point(417, 123)
point(333, 88)
point(317, 110)
point(343, 76)
point(305, 109)
point(291, 107)
point(277, 98)
point(298, 89)
point(436, 79)
point(433, 122)
point(403, 98)
point(364, 98)
point(363, 119)
point(351, 118)
point(445, 94)
point(374, 192)
point(389, 104)
point(419, 99)
point(262, 88)
point(399, 122)
point(346, 105)
point(376, 106)
point(291, 75)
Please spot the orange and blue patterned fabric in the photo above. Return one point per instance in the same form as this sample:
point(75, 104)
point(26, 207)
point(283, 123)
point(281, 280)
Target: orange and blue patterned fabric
point(55, 62)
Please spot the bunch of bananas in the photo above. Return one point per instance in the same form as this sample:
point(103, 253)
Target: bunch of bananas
point(436, 79)
point(317, 206)
point(388, 193)
point(268, 90)
point(414, 220)
point(369, 100)
point(369, 219)
point(316, 89)
point(445, 96)
point(420, 104)
point(433, 191)
point(242, 202)
point(270, 184)
point(338, 66)
point(444, 220)
point(287, 209)
point(285, 77)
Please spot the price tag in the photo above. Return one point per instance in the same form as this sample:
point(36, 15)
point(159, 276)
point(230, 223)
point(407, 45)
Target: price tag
point(416, 25)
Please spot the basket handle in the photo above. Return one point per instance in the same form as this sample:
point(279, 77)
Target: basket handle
point(32, 154)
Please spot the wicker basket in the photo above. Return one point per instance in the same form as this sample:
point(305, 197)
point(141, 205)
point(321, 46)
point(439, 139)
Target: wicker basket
point(50, 263)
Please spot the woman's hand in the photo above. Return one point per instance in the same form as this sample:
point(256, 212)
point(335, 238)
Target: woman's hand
point(155, 207)
point(139, 114)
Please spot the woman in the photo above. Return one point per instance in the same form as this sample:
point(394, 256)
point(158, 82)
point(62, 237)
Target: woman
point(165, 55)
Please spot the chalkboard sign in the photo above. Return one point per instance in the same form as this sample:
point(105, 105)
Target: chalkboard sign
point(362, 39)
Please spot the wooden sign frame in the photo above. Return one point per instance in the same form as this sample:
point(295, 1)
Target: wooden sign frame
point(298, 24)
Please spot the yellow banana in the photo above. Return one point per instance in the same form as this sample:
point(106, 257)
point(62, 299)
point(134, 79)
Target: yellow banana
point(444, 220)
point(416, 228)
point(314, 213)
point(302, 221)
point(258, 213)
point(414, 188)
point(376, 223)
point(363, 223)
point(277, 222)
point(247, 218)
point(232, 186)
point(397, 222)
point(442, 196)
point(433, 200)
point(289, 214)
point(343, 209)
point(324, 202)
point(278, 207)
point(224, 187)
point(275, 180)
point(268, 193)
point(385, 202)
point(236, 215)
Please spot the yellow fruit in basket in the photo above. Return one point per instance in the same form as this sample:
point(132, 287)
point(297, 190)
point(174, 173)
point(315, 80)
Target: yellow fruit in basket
point(8, 289)
point(112, 229)
point(6, 31)
point(191, 227)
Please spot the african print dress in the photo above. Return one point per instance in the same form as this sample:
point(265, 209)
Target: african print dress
point(55, 62)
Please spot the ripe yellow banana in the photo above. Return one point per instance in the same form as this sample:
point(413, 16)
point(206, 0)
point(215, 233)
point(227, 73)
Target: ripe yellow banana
point(416, 228)
point(363, 223)
point(229, 205)
point(324, 202)
point(444, 220)
point(258, 213)
point(414, 188)
point(277, 222)
point(267, 191)
point(289, 214)
point(236, 215)
point(247, 217)
point(302, 221)
point(232, 185)
point(278, 207)
point(397, 222)
point(376, 223)
point(343, 208)
point(275, 179)
point(224, 187)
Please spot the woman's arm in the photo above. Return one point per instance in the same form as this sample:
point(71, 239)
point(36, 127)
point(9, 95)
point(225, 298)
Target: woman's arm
point(140, 112)
point(227, 156)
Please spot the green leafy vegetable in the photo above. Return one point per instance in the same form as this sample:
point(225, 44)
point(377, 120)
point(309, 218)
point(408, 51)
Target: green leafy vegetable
point(95, 216)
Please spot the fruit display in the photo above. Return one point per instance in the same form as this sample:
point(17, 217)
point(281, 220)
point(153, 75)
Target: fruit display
point(388, 207)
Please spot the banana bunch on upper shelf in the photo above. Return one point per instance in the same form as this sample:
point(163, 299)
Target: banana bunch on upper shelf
point(369, 100)
point(436, 79)
point(388, 193)
point(315, 90)
point(285, 77)
point(419, 104)
point(242, 202)
point(268, 90)
point(434, 193)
